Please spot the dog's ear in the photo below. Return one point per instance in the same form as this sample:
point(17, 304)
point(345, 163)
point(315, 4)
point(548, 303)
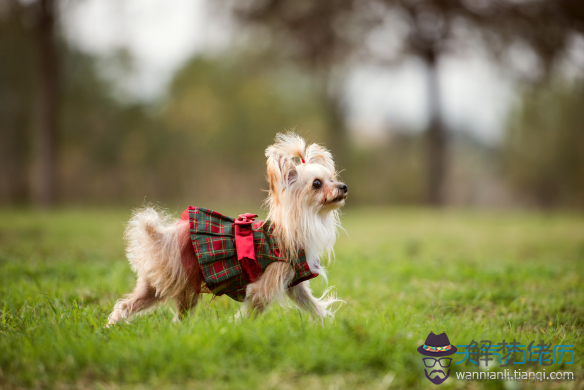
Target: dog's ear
point(281, 171)
point(290, 145)
point(316, 154)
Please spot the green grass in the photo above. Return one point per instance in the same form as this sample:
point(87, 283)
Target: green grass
point(402, 273)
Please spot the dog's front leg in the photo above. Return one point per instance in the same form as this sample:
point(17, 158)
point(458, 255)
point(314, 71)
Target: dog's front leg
point(269, 287)
point(320, 308)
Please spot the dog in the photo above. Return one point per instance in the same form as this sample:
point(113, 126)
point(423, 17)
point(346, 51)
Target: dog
point(303, 205)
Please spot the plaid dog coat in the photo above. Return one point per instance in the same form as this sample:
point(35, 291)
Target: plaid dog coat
point(234, 253)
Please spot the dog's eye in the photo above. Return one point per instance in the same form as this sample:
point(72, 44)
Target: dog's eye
point(316, 184)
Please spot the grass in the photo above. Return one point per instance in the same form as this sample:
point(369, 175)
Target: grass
point(402, 273)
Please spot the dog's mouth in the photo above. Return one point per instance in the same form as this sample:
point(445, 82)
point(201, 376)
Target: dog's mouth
point(339, 198)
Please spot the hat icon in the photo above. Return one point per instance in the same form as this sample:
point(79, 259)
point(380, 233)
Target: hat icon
point(437, 345)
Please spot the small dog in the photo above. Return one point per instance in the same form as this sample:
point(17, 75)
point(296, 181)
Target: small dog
point(303, 203)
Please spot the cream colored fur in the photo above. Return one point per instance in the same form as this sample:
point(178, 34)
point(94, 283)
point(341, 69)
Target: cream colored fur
point(304, 217)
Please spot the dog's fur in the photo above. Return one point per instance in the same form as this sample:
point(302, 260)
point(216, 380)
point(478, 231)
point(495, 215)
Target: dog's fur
point(304, 213)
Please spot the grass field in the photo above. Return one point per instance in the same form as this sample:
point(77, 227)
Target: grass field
point(403, 273)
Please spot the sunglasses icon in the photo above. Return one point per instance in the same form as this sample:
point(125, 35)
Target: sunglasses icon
point(431, 362)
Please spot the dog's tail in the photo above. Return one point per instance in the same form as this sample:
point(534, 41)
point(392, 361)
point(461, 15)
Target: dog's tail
point(154, 252)
point(147, 222)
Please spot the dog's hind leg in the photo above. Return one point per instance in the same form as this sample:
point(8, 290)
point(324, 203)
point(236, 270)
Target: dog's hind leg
point(143, 297)
point(185, 302)
point(301, 294)
point(270, 286)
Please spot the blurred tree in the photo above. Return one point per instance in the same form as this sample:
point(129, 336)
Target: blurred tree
point(429, 28)
point(229, 108)
point(325, 36)
point(218, 117)
point(544, 148)
point(313, 34)
point(389, 171)
point(105, 146)
point(439, 27)
point(30, 74)
point(16, 88)
point(46, 111)
point(93, 125)
point(535, 29)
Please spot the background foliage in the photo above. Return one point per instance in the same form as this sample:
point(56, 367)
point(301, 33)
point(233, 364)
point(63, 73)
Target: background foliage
point(205, 135)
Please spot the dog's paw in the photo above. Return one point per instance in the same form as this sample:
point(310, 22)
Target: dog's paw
point(239, 316)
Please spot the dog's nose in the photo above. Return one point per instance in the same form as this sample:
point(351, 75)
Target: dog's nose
point(343, 187)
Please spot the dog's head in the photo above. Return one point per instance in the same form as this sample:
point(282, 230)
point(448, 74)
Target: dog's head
point(303, 176)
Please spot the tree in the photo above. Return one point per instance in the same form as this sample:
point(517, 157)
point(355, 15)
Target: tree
point(46, 106)
point(308, 32)
point(544, 147)
point(430, 26)
point(326, 35)
point(227, 109)
point(15, 92)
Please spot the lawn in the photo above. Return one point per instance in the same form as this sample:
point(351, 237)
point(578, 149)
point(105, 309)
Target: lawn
point(402, 272)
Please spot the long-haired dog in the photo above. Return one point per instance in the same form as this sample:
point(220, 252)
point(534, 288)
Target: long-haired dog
point(303, 202)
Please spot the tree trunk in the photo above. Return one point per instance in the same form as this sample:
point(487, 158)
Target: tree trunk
point(435, 135)
point(45, 115)
point(337, 137)
point(14, 104)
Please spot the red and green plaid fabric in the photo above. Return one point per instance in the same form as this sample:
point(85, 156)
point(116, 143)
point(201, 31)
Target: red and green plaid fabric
point(213, 238)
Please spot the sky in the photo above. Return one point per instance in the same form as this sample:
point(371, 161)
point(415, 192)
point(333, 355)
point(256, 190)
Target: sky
point(161, 35)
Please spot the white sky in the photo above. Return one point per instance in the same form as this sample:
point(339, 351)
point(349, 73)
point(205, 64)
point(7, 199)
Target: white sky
point(162, 34)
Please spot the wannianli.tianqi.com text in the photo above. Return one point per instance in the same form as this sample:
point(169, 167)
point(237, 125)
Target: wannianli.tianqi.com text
point(516, 376)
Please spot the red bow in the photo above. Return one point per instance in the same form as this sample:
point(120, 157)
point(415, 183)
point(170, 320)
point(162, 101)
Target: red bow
point(245, 248)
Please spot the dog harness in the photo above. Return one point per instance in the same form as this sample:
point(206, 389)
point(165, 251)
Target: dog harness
point(234, 253)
